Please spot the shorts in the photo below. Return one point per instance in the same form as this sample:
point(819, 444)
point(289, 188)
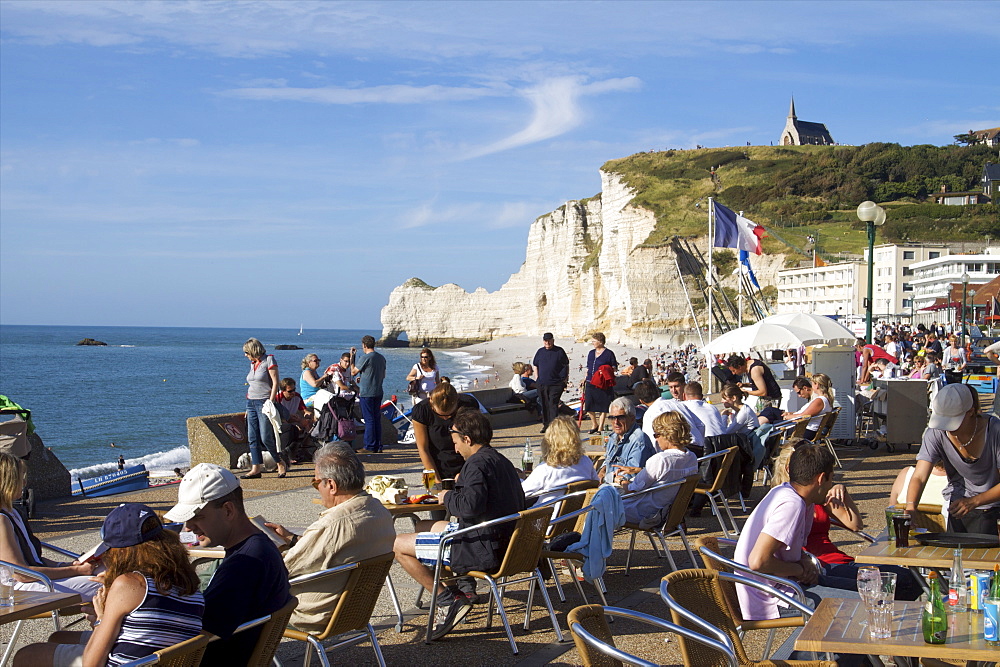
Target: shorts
point(428, 544)
point(70, 655)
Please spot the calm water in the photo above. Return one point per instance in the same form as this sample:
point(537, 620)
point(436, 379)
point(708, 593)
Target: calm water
point(139, 390)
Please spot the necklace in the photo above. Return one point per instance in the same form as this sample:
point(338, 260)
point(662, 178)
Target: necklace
point(962, 445)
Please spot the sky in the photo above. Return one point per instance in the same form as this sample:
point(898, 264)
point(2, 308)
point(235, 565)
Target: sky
point(272, 164)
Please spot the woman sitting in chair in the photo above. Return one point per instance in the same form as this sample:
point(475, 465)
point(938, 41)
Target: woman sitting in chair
point(673, 462)
point(818, 395)
point(18, 545)
point(839, 569)
point(563, 460)
point(150, 598)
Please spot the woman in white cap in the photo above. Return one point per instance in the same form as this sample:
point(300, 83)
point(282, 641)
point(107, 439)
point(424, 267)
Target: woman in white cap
point(150, 598)
point(967, 443)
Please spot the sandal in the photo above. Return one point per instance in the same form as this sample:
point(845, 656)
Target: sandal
point(255, 475)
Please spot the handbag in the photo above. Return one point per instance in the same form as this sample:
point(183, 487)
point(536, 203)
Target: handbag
point(413, 388)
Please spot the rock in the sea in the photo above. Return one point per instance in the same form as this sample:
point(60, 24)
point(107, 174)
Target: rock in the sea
point(91, 341)
point(287, 347)
point(587, 268)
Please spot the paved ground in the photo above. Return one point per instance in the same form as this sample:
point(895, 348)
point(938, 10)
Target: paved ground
point(868, 474)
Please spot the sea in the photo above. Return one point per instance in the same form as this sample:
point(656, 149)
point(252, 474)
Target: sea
point(133, 396)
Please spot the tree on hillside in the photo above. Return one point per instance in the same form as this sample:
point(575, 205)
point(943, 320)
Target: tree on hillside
point(967, 139)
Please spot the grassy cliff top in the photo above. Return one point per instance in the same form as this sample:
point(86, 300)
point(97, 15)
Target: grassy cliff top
point(796, 191)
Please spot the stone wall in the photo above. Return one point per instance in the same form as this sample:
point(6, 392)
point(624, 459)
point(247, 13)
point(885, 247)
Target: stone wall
point(587, 267)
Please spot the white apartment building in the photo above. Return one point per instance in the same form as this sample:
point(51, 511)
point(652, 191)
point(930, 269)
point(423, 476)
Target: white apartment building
point(893, 273)
point(835, 289)
point(932, 278)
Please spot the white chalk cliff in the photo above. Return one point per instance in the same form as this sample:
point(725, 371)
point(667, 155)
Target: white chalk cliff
point(586, 269)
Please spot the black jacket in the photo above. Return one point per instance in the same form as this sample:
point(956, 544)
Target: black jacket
point(487, 488)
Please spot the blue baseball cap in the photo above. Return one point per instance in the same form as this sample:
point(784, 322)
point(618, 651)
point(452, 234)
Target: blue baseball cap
point(123, 527)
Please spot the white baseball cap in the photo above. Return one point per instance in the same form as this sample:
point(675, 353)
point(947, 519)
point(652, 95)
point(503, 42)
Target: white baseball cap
point(949, 407)
point(202, 484)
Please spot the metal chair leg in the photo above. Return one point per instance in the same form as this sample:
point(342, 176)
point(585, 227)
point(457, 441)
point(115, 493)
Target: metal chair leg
point(548, 605)
point(527, 605)
point(555, 580)
point(628, 558)
point(375, 647)
point(503, 614)
point(725, 505)
point(395, 603)
point(320, 651)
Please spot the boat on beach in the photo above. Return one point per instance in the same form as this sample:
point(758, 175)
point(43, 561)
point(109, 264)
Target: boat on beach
point(132, 478)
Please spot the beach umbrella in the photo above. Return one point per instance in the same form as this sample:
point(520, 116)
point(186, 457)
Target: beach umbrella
point(759, 337)
point(824, 329)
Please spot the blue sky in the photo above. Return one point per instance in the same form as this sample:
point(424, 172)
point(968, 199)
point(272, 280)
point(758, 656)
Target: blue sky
point(276, 163)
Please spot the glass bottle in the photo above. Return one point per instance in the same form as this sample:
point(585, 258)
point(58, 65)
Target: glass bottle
point(528, 458)
point(958, 589)
point(933, 619)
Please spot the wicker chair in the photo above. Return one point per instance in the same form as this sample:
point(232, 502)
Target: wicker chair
point(572, 517)
point(521, 558)
point(187, 653)
point(671, 525)
point(353, 611)
point(798, 431)
point(714, 490)
point(596, 645)
point(700, 589)
point(709, 548)
point(270, 634)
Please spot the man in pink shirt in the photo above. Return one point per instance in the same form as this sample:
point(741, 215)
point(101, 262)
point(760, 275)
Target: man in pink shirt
point(772, 540)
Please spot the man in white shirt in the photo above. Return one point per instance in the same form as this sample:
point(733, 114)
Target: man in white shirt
point(675, 381)
point(694, 400)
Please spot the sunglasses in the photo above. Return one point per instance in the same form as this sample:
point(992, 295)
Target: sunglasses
point(316, 483)
point(453, 430)
point(617, 417)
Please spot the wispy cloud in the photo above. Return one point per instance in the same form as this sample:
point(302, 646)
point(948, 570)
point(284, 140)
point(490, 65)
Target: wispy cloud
point(502, 215)
point(391, 94)
point(947, 127)
point(556, 110)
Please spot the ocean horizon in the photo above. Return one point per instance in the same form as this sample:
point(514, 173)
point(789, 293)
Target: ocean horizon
point(138, 391)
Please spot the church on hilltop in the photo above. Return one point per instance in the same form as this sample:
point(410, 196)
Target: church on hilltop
point(801, 133)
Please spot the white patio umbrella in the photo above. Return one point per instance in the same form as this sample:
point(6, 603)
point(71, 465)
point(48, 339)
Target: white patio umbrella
point(759, 337)
point(825, 330)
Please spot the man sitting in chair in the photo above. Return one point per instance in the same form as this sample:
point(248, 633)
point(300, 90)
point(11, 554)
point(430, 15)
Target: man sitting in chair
point(488, 487)
point(354, 526)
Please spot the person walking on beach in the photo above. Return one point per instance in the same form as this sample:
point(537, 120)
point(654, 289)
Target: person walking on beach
point(263, 386)
point(553, 373)
point(598, 388)
point(425, 372)
point(370, 367)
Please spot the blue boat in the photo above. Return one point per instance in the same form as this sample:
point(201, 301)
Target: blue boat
point(133, 478)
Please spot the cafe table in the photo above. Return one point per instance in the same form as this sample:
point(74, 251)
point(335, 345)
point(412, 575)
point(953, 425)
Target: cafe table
point(884, 552)
point(32, 603)
point(836, 627)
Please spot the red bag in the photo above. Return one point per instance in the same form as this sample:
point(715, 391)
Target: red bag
point(603, 377)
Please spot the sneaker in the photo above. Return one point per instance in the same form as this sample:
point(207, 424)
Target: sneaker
point(447, 617)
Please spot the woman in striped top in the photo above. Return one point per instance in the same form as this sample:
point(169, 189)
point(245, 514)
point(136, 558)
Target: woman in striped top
point(150, 599)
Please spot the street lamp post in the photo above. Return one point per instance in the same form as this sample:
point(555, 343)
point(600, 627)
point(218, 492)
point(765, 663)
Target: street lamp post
point(965, 291)
point(872, 214)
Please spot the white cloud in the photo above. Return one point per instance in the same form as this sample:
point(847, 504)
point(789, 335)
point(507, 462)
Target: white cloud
point(555, 110)
point(391, 94)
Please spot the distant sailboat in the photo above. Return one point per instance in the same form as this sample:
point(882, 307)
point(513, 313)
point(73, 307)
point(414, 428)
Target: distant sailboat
point(300, 329)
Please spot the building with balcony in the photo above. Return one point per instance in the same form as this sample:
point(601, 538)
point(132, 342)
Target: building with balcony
point(836, 290)
point(933, 280)
point(893, 290)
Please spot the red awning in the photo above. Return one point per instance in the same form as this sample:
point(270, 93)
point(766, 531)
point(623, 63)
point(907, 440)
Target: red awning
point(941, 306)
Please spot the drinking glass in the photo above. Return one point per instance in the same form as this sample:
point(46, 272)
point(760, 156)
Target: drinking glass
point(868, 578)
point(880, 609)
point(6, 587)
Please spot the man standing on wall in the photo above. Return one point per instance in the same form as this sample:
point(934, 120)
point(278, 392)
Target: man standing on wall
point(370, 366)
point(553, 374)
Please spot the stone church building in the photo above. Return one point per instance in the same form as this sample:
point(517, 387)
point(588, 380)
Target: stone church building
point(800, 132)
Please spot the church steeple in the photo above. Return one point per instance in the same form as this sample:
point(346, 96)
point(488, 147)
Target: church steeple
point(791, 109)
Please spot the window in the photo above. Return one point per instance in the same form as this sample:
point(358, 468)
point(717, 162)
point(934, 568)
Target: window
point(907, 254)
point(933, 254)
point(907, 287)
point(907, 271)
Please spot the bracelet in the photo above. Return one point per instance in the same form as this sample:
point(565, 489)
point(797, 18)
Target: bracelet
point(293, 541)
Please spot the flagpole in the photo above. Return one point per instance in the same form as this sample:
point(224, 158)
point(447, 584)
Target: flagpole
point(711, 244)
point(739, 299)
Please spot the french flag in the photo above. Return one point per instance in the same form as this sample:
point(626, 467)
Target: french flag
point(734, 231)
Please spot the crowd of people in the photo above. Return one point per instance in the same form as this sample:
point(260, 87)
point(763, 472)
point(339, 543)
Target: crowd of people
point(142, 593)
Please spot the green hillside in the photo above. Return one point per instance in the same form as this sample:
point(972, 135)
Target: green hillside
point(796, 191)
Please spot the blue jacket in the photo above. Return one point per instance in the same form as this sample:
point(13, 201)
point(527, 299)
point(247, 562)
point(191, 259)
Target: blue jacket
point(633, 449)
point(598, 536)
